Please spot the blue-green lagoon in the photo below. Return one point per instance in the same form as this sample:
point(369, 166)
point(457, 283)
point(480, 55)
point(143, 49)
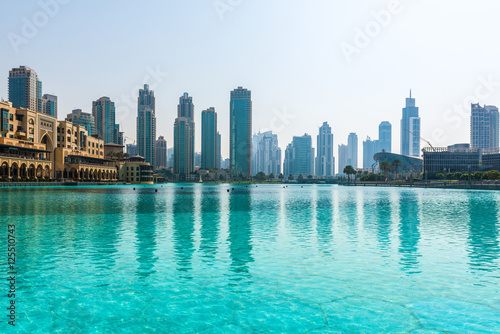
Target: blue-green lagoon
point(195, 258)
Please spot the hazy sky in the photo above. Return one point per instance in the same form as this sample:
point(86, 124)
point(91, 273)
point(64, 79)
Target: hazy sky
point(304, 61)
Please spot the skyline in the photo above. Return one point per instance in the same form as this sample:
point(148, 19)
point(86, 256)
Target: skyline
point(313, 83)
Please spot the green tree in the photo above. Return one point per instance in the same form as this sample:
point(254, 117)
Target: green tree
point(396, 164)
point(301, 177)
point(492, 175)
point(439, 176)
point(260, 176)
point(309, 176)
point(349, 171)
point(281, 177)
point(290, 177)
point(271, 177)
point(385, 167)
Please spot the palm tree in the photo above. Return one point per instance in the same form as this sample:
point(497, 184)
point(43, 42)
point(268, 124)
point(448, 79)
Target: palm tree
point(349, 171)
point(110, 154)
point(395, 164)
point(270, 177)
point(290, 177)
point(385, 167)
point(281, 177)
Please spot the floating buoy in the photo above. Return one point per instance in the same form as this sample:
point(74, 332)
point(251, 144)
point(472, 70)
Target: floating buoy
point(232, 189)
point(134, 188)
point(182, 187)
point(228, 190)
point(156, 190)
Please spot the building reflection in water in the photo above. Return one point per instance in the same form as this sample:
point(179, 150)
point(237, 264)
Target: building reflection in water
point(146, 223)
point(210, 220)
point(183, 228)
point(483, 245)
point(409, 234)
point(240, 232)
point(324, 219)
point(383, 211)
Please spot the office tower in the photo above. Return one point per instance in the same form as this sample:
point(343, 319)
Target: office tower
point(25, 89)
point(197, 159)
point(132, 149)
point(184, 137)
point(299, 157)
point(103, 111)
point(146, 125)
point(78, 117)
point(342, 158)
point(384, 137)
point(325, 162)
point(49, 105)
point(352, 150)
point(161, 153)
point(370, 147)
point(170, 157)
point(240, 143)
point(410, 129)
point(118, 135)
point(219, 154)
point(209, 139)
point(267, 155)
point(484, 126)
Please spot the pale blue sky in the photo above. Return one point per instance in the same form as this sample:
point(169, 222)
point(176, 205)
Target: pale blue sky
point(288, 52)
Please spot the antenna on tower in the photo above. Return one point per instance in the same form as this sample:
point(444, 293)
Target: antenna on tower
point(410, 93)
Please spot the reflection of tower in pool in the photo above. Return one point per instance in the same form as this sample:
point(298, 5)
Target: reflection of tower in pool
point(209, 230)
point(145, 233)
point(324, 220)
point(483, 247)
point(183, 227)
point(240, 232)
point(409, 234)
point(383, 210)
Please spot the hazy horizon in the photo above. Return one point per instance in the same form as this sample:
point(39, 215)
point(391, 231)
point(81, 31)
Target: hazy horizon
point(304, 60)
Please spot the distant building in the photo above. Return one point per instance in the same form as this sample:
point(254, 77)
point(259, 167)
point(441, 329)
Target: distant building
point(219, 156)
point(78, 117)
point(225, 163)
point(369, 150)
point(408, 163)
point(267, 155)
point(384, 137)
point(352, 150)
point(170, 157)
point(103, 111)
point(161, 153)
point(342, 158)
point(451, 159)
point(484, 127)
point(137, 171)
point(184, 138)
point(146, 125)
point(325, 162)
point(118, 135)
point(25, 89)
point(240, 146)
point(209, 139)
point(49, 105)
point(299, 157)
point(131, 149)
point(410, 142)
point(197, 159)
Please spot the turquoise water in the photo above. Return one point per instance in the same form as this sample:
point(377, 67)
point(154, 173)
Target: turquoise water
point(195, 258)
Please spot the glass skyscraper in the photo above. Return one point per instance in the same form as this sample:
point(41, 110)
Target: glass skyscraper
point(484, 126)
point(299, 157)
point(325, 162)
point(240, 143)
point(25, 89)
point(184, 138)
point(266, 156)
point(371, 147)
point(161, 153)
point(209, 139)
point(146, 125)
point(342, 158)
point(78, 117)
point(352, 150)
point(410, 129)
point(49, 105)
point(103, 111)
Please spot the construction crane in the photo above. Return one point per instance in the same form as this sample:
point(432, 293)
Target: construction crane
point(428, 142)
point(125, 138)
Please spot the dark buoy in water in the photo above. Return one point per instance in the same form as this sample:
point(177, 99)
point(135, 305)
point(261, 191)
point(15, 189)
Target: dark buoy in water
point(232, 189)
point(156, 190)
point(228, 190)
point(302, 186)
point(182, 187)
point(134, 188)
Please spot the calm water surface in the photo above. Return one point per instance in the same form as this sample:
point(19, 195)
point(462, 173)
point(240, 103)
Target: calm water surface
point(268, 259)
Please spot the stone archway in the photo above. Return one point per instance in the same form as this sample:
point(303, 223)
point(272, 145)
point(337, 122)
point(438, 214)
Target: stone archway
point(23, 171)
point(31, 171)
point(4, 170)
point(14, 171)
point(39, 172)
point(46, 172)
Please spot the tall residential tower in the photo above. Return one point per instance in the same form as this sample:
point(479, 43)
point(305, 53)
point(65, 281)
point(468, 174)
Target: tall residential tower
point(146, 125)
point(209, 139)
point(325, 162)
point(410, 129)
point(103, 111)
point(484, 125)
point(25, 89)
point(184, 138)
point(240, 145)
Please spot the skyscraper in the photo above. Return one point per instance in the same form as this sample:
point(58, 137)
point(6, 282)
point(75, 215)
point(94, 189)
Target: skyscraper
point(25, 89)
point(161, 153)
point(184, 137)
point(219, 154)
point(103, 111)
point(484, 127)
point(369, 150)
point(78, 117)
point(352, 150)
point(240, 146)
point(209, 139)
point(146, 125)
point(410, 142)
point(325, 162)
point(267, 155)
point(118, 135)
point(49, 105)
point(132, 149)
point(299, 157)
point(342, 158)
point(385, 137)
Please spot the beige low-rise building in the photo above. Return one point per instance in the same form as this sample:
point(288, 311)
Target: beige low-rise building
point(136, 170)
point(26, 143)
point(80, 157)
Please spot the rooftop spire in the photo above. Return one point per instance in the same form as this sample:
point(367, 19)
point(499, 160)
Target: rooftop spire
point(410, 93)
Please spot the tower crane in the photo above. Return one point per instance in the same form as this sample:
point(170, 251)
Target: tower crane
point(425, 140)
